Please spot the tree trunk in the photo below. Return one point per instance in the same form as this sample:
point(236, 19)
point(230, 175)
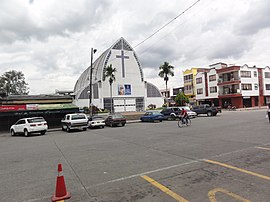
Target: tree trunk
point(111, 97)
point(166, 96)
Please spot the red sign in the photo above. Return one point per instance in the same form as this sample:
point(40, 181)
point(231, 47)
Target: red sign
point(12, 107)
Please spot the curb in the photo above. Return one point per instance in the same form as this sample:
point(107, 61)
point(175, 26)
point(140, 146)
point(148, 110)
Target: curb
point(128, 122)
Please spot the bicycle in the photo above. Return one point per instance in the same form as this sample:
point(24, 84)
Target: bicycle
point(183, 122)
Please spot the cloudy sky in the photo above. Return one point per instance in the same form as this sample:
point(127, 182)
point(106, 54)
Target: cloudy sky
point(50, 41)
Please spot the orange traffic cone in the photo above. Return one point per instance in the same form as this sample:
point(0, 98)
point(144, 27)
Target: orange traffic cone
point(60, 191)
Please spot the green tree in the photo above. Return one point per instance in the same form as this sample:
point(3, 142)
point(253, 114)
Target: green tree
point(181, 99)
point(110, 73)
point(166, 70)
point(13, 83)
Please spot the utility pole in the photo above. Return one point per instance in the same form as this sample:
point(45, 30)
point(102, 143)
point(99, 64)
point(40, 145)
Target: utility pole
point(90, 82)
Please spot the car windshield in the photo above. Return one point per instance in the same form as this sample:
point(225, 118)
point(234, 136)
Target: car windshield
point(36, 120)
point(97, 118)
point(117, 116)
point(76, 117)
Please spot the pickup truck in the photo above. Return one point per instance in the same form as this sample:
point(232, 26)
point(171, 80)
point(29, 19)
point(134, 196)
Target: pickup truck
point(74, 121)
point(205, 109)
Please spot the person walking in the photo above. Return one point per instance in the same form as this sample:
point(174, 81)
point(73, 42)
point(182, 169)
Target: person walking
point(268, 111)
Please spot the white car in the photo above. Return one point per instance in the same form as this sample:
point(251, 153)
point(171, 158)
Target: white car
point(96, 121)
point(74, 121)
point(27, 126)
point(191, 114)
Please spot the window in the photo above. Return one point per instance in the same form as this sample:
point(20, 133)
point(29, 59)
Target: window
point(188, 88)
point(267, 74)
point(20, 122)
point(256, 86)
point(255, 73)
point(188, 78)
point(213, 89)
point(267, 86)
point(77, 117)
point(246, 86)
point(246, 74)
point(212, 78)
point(199, 91)
point(199, 80)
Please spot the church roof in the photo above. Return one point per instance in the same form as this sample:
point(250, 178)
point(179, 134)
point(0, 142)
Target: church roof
point(99, 65)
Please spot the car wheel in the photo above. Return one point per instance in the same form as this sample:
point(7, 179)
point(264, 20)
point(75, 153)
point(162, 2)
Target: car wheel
point(123, 124)
point(209, 113)
point(63, 129)
point(43, 132)
point(68, 129)
point(26, 133)
point(173, 117)
point(12, 132)
point(84, 129)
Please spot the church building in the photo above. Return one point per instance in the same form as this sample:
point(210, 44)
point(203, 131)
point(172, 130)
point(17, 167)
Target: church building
point(130, 92)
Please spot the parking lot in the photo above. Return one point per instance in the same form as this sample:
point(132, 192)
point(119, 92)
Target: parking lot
point(223, 158)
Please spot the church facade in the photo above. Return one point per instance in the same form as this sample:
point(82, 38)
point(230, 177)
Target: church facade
point(130, 92)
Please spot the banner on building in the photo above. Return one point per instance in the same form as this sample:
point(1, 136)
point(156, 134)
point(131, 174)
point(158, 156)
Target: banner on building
point(127, 89)
point(12, 107)
point(124, 89)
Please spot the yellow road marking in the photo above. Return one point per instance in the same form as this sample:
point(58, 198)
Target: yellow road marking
point(264, 148)
point(238, 169)
point(212, 195)
point(164, 189)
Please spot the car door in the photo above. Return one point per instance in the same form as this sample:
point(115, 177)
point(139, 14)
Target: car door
point(19, 126)
point(148, 116)
point(108, 121)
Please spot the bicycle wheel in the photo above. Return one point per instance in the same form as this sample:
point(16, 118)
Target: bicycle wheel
point(180, 123)
point(188, 122)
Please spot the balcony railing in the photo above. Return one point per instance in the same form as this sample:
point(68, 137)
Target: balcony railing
point(229, 93)
point(228, 80)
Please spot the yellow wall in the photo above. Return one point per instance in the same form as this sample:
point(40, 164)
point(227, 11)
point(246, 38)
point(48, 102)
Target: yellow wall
point(192, 71)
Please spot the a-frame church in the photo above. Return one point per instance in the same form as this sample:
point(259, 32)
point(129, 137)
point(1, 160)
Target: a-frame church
point(130, 92)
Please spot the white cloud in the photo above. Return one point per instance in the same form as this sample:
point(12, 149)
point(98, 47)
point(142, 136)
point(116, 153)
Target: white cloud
point(50, 41)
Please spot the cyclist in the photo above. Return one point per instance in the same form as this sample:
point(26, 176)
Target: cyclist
point(184, 115)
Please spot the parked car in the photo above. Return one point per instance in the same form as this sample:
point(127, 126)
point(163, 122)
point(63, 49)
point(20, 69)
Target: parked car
point(27, 126)
point(115, 119)
point(191, 114)
point(171, 112)
point(152, 116)
point(96, 122)
point(205, 109)
point(74, 121)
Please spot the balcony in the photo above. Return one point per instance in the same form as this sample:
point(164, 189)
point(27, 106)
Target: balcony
point(234, 93)
point(233, 80)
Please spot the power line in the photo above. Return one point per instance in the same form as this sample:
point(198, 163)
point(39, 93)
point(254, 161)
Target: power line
point(170, 32)
point(180, 14)
point(167, 23)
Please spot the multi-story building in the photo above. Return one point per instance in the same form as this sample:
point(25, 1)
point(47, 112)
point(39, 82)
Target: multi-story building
point(266, 83)
point(206, 87)
point(240, 86)
point(170, 94)
point(190, 82)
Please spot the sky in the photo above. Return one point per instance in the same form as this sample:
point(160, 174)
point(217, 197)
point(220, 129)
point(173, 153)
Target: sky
point(50, 41)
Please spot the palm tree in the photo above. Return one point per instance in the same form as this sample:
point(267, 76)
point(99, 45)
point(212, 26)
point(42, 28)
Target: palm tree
point(166, 70)
point(110, 73)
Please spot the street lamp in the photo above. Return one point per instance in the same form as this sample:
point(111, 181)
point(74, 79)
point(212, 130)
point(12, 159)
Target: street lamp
point(90, 83)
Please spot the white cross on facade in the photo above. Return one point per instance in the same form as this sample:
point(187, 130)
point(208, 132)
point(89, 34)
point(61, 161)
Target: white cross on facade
point(123, 57)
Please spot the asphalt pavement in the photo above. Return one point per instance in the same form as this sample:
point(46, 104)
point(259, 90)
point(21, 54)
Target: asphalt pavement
point(222, 158)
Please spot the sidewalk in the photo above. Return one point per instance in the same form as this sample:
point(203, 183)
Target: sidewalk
point(251, 108)
point(132, 117)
